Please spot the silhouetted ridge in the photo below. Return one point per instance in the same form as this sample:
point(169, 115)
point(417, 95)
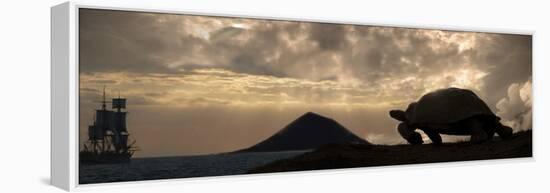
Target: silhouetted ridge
point(309, 131)
point(520, 144)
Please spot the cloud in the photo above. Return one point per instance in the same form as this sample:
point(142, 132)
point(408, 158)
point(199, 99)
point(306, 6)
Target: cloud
point(217, 86)
point(132, 41)
point(166, 43)
point(329, 36)
point(225, 33)
point(516, 108)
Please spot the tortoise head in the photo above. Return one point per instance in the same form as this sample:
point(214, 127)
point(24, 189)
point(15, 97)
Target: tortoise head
point(401, 115)
point(398, 115)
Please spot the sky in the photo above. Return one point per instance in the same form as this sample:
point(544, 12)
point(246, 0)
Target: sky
point(202, 85)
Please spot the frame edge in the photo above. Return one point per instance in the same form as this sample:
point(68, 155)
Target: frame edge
point(62, 174)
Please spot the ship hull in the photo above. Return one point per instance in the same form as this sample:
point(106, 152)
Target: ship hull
point(104, 158)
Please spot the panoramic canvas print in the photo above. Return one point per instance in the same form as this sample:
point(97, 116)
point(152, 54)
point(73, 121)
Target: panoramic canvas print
point(165, 96)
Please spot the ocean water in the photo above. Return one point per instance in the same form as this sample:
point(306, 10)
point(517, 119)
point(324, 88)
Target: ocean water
point(179, 167)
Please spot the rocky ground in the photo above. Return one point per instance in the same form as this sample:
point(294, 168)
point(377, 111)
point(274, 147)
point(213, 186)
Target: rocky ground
point(349, 156)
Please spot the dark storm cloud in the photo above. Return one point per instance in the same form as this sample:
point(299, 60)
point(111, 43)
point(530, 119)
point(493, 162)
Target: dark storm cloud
point(329, 36)
point(225, 33)
point(508, 59)
point(394, 52)
point(252, 55)
point(129, 41)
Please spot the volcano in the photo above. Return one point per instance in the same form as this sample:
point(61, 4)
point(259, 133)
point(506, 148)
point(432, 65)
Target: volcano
point(309, 131)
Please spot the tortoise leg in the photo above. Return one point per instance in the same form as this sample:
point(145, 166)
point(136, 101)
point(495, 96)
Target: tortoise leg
point(504, 131)
point(490, 132)
point(478, 132)
point(434, 136)
point(409, 134)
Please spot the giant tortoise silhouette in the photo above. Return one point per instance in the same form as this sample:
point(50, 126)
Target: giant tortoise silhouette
point(451, 111)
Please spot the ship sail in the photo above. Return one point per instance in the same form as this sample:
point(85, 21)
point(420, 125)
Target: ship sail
point(104, 120)
point(120, 121)
point(94, 133)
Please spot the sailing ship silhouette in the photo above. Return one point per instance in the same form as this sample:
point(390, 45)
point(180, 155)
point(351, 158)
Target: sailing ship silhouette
point(108, 135)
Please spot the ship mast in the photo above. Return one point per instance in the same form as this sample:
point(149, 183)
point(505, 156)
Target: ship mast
point(103, 109)
point(94, 141)
point(103, 103)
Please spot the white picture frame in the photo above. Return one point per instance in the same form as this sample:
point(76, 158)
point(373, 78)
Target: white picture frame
point(64, 59)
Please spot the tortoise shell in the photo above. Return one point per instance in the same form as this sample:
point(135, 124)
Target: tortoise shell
point(446, 106)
